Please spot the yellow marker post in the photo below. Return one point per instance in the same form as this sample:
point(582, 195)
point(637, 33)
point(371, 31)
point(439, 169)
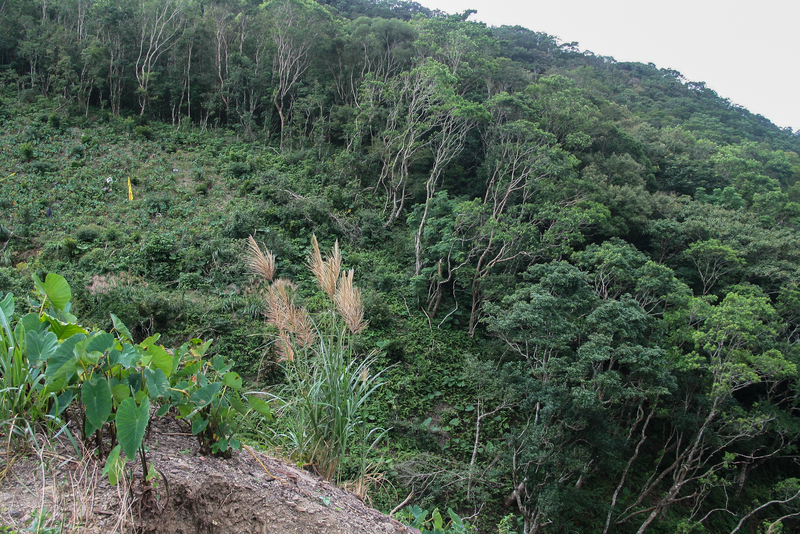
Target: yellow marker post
point(130, 190)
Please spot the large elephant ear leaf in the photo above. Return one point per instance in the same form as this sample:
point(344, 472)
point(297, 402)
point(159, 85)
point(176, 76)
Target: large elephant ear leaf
point(96, 397)
point(55, 289)
point(120, 327)
point(132, 424)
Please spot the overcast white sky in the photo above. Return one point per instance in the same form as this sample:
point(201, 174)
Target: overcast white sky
point(746, 51)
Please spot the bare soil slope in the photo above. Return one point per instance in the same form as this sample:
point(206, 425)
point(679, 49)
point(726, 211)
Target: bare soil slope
point(249, 493)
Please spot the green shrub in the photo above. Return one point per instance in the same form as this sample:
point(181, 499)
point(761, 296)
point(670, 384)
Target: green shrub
point(145, 132)
point(25, 151)
point(158, 252)
point(158, 205)
point(88, 234)
point(43, 167)
point(202, 189)
point(112, 234)
point(94, 261)
point(64, 249)
point(237, 169)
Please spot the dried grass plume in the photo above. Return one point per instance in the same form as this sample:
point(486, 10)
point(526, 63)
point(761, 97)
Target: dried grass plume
point(348, 303)
point(295, 328)
point(325, 271)
point(261, 263)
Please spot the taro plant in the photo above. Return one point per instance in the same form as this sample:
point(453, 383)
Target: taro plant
point(209, 396)
point(327, 383)
point(49, 363)
point(418, 518)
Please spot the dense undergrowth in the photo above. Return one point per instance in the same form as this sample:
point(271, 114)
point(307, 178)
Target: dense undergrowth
point(580, 277)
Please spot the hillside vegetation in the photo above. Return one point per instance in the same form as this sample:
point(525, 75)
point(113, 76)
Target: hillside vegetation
point(580, 276)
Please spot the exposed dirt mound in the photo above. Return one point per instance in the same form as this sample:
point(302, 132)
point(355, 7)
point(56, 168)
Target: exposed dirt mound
point(249, 493)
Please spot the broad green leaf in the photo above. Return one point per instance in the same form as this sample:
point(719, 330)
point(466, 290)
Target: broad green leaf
point(62, 361)
point(132, 424)
point(140, 396)
point(188, 370)
point(152, 340)
point(128, 356)
point(198, 348)
point(61, 402)
point(86, 358)
point(160, 359)
point(455, 519)
point(96, 398)
point(205, 394)
point(219, 364)
point(157, 383)
point(163, 410)
point(55, 288)
point(63, 329)
point(120, 327)
point(232, 380)
point(198, 425)
point(102, 342)
point(237, 403)
point(115, 466)
point(55, 386)
point(261, 406)
point(32, 323)
point(135, 381)
point(437, 520)
point(221, 445)
point(39, 346)
point(121, 392)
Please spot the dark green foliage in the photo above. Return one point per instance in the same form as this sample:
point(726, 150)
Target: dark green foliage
point(145, 132)
point(88, 234)
point(26, 151)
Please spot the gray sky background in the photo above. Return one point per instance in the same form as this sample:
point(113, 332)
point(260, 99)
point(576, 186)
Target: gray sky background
point(746, 51)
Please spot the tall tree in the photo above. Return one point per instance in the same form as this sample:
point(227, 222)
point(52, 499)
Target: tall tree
point(160, 24)
point(295, 27)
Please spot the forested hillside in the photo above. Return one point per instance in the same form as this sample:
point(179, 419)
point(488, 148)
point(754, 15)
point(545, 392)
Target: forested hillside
point(580, 275)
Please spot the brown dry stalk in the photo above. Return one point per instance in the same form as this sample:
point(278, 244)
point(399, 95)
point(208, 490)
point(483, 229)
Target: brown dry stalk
point(325, 271)
point(348, 303)
point(261, 263)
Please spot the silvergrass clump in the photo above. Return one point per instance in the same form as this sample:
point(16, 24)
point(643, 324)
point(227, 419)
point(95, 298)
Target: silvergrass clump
point(327, 384)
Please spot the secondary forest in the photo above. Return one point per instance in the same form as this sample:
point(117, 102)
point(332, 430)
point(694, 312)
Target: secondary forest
point(579, 276)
